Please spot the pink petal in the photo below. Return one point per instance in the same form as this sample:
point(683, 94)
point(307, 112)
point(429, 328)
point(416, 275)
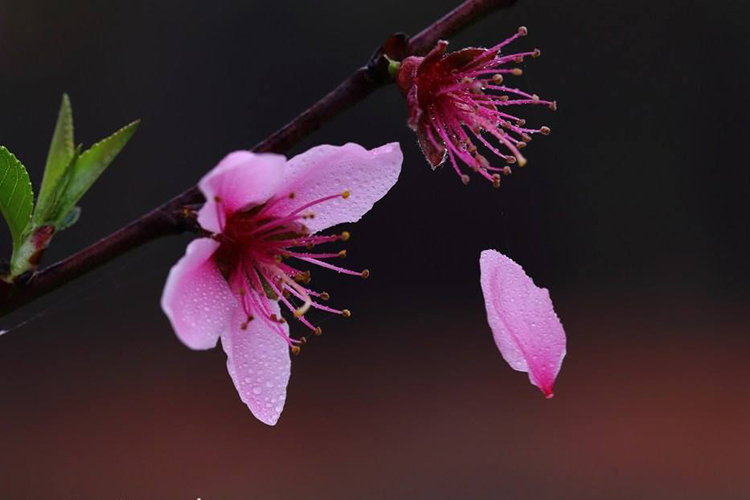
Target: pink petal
point(240, 180)
point(526, 329)
point(329, 170)
point(259, 364)
point(196, 298)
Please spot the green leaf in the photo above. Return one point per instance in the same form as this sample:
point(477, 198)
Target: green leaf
point(61, 151)
point(55, 210)
point(16, 196)
point(89, 166)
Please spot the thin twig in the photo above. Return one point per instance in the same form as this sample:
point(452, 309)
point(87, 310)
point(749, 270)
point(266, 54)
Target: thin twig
point(172, 218)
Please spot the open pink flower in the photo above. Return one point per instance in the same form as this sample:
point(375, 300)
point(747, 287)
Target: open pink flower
point(265, 213)
point(526, 329)
point(458, 100)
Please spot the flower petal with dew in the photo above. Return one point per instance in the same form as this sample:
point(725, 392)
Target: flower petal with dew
point(459, 102)
point(523, 321)
point(265, 214)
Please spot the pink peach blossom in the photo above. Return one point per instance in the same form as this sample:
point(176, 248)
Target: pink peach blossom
point(526, 329)
point(264, 213)
point(459, 101)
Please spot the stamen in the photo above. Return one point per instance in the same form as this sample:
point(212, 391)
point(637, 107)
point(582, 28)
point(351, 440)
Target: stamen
point(303, 294)
point(334, 268)
point(294, 214)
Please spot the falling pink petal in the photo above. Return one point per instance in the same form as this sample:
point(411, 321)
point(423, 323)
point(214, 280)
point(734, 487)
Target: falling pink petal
point(523, 321)
point(196, 298)
point(329, 170)
point(241, 179)
point(259, 364)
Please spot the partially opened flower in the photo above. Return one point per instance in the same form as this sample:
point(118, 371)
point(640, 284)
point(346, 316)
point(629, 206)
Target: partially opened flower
point(526, 329)
point(265, 215)
point(459, 101)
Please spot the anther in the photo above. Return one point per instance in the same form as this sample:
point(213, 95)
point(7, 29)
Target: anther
point(497, 78)
point(318, 331)
point(526, 137)
point(511, 159)
point(521, 145)
point(535, 98)
point(346, 313)
point(523, 31)
point(345, 236)
point(296, 349)
point(507, 170)
point(545, 130)
point(496, 180)
point(345, 194)
point(303, 277)
point(325, 296)
point(517, 72)
point(464, 178)
point(553, 105)
point(303, 340)
point(342, 253)
point(536, 53)
point(366, 273)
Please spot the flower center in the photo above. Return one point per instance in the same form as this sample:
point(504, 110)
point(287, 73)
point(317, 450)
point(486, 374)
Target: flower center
point(261, 254)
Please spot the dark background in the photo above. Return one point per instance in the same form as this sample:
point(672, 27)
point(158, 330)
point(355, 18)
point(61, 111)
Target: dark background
point(633, 212)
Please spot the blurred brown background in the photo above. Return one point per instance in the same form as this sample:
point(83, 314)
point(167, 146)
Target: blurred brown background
point(633, 212)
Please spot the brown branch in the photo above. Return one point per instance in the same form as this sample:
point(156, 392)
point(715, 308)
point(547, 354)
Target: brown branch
point(171, 218)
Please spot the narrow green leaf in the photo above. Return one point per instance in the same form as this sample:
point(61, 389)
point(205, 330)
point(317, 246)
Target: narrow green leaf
point(55, 210)
point(61, 152)
point(90, 165)
point(16, 196)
